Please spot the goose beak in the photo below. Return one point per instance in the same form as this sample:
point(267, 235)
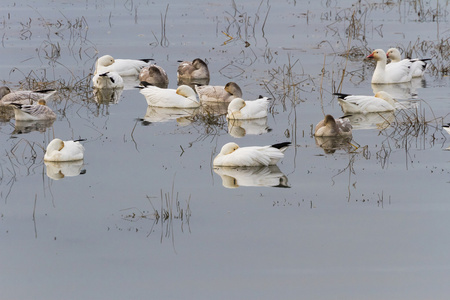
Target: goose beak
point(370, 55)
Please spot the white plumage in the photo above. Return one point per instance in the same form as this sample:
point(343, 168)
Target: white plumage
point(241, 109)
point(231, 155)
point(330, 126)
point(124, 67)
point(218, 93)
point(58, 150)
point(183, 97)
point(418, 66)
point(33, 112)
point(108, 80)
point(382, 101)
point(392, 73)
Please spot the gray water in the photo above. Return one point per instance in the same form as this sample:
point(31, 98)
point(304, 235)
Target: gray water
point(150, 218)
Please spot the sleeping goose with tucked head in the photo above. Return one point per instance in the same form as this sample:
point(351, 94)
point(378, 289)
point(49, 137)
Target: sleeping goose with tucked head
point(382, 101)
point(418, 67)
point(392, 73)
point(196, 69)
point(33, 112)
point(58, 150)
point(246, 110)
point(330, 126)
point(24, 97)
point(183, 97)
point(231, 155)
point(155, 75)
point(218, 93)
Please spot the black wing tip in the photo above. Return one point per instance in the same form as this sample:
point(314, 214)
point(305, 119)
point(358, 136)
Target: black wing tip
point(445, 125)
point(341, 95)
point(45, 91)
point(80, 140)
point(147, 60)
point(18, 105)
point(281, 145)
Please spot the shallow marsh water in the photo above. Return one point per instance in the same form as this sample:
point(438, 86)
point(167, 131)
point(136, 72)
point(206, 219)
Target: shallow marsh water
point(365, 223)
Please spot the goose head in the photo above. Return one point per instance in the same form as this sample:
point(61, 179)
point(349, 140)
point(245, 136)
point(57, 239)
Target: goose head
point(385, 96)
point(229, 148)
point(105, 60)
point(186, 91)
point(55, 145)
point(233, 89)
point(236, 104)
point(393, 54)
point(378, 55)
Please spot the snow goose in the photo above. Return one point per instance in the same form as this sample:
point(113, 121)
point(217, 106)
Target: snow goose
point(382, 101)
point(58, 150)
point(393, 73)
point(25, 97)
point(124, 67)
point(231, 155)
point(108, 80)
point(196, 69)
point(330, 126)
point(418, 67)
point(234, 177)
point(241, 109)
point(183, 97)
point(154, 75)
point(218, 93)
point(33, 112)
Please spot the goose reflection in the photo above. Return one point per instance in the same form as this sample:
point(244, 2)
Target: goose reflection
point(192, 82)
point(240, 128)
point(330, 144)
point(214, 108)
point(183, 116)
point(107, 96)
point(234, 177)
point(403, 90)
point(60, 170)
point(377, 120)
point(22, 127)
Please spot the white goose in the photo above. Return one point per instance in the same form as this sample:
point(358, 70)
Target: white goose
point(33, 112)
point(196, 69)
point(241, 109)
point(183, 97)
point(124, 67)
point(24, 97)
point(392, 73)
point(330, 126)
point(231, 155)
point(154, 75)
point(418, 67)
point(58, 150)
point(218, 93)
point(382, 101)
point(108, 80)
